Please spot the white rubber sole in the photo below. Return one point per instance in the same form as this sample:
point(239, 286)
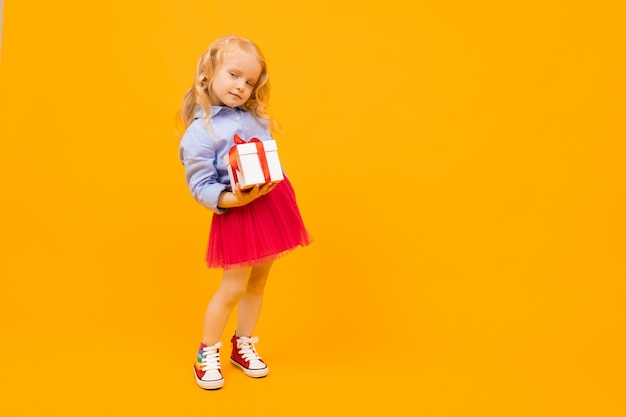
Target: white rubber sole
point(253, 373)
point(208, 384)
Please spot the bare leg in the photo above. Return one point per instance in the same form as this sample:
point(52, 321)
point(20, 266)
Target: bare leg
point(250, 304)
point(220, 307)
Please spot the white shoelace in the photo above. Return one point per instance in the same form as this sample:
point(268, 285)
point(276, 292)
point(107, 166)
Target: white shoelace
point(247, 349)
point(211, 357)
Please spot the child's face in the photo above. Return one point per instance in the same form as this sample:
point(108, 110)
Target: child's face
point(235, 80)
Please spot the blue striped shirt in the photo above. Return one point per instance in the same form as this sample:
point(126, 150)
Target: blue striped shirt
point(202, 151)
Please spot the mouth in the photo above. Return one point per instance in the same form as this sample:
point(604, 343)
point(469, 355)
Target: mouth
point(236, 95)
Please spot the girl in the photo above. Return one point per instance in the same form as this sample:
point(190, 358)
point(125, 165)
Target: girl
point(249, 229)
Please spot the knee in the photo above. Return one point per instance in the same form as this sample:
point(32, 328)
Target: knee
point(232, 294)
point(257, 284)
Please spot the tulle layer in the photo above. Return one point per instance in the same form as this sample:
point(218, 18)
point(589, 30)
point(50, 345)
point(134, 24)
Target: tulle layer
point(259, 232)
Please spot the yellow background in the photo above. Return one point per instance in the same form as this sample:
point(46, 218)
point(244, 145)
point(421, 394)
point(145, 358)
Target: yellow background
point(459, 164)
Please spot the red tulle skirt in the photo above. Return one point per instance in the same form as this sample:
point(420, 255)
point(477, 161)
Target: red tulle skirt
point(259, 232)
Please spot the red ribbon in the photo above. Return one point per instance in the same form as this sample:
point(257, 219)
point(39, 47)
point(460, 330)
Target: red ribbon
point(234, 165)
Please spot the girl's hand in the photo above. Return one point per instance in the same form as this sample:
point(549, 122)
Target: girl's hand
point(248, 196)
point(240, 198)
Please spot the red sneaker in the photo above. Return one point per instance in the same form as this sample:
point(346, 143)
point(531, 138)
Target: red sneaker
point(244, 357)
point(207, 368)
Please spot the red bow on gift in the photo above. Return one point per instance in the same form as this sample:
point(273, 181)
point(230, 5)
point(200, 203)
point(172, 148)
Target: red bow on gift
point(232, 156)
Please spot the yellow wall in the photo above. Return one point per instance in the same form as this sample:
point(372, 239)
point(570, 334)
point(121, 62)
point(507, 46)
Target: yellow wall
point(459, 164)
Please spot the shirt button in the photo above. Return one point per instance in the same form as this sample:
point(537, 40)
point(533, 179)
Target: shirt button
point(237, 117)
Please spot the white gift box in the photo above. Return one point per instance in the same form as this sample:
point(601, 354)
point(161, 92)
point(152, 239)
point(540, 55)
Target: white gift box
point(252, 163)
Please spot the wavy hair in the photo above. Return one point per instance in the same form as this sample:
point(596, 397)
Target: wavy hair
point(198, 95)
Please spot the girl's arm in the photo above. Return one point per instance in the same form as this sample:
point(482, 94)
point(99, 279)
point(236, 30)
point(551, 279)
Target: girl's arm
point(198, 154)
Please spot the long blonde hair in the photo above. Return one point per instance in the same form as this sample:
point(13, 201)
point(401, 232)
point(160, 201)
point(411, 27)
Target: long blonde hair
point(198, 95)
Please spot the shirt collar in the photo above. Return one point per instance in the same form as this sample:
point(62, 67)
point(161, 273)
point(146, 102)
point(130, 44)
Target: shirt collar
point(215, 110)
